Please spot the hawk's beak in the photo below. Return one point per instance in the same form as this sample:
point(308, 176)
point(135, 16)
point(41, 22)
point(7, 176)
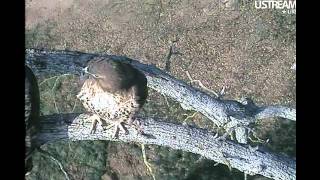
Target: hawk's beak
point(85, 70)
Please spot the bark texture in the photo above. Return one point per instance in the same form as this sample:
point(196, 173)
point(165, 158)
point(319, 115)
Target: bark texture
point(231, 114)
point(252, 161)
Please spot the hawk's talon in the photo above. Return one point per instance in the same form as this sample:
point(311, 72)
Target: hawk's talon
point(118, 126)
point(138, 127)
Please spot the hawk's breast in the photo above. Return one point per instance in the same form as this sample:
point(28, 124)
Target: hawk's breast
point(105, 102)
point(97, 101)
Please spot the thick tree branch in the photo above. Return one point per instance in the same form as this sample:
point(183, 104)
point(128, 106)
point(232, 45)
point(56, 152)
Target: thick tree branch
point(226, 113)
point(222, 112)
point(75, 127)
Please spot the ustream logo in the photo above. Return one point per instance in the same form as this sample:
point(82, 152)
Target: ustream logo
point(287, 6)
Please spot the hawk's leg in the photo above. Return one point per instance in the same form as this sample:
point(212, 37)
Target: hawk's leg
point(118, 125)
point(95, 119)
point(137, 124)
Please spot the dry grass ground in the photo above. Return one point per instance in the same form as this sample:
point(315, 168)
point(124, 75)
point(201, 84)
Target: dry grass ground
point(248, 51)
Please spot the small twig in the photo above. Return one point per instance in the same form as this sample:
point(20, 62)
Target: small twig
point(48, 155)
point(54, 77)
point(188, 117)
point(257, 139)
point(74, 106)
point(168, 60)
point(166, 100)
point(229, 131)
point(201, 85)
point(145, 161)
point(53, 95)
point(53, 87)
point(226, 162)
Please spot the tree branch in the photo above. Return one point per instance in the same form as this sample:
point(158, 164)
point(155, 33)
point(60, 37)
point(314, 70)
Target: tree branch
point(226, 113)
point(222, 112)
point(276, 111)
point(75, 127)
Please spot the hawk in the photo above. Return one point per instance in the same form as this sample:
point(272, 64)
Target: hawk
point(113, 93)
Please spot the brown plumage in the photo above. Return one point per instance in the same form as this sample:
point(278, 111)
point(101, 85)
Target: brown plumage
point(114, 92)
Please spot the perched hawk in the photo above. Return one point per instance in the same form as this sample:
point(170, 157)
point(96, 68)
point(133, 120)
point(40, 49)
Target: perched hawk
point(113, 92)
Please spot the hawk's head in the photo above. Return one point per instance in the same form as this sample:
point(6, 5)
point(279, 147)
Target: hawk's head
point(113, 75)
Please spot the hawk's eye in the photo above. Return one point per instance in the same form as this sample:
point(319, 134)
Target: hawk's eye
point(96, 76)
